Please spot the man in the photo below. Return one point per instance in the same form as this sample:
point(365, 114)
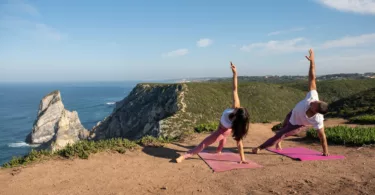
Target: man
point(308, 112)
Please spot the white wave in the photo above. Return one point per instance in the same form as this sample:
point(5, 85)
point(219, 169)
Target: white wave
point(111, 103)
point(21, 144)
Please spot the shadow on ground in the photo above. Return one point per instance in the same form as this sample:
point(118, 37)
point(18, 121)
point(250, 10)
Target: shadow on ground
point(172, 154)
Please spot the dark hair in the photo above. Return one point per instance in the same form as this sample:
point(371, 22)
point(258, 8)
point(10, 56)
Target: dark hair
point(323, 108)
point(240, 124)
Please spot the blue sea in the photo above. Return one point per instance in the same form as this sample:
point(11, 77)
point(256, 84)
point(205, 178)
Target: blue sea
point(19, 103)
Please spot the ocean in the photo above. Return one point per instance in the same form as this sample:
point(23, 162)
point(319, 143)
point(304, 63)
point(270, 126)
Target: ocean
point(19, 105)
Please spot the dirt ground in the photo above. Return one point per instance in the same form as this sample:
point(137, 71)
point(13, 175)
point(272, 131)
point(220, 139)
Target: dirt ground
point(151, 171)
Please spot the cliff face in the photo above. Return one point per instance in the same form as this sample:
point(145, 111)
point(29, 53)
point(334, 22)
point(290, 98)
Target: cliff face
point(56, 124)
point(147, 110)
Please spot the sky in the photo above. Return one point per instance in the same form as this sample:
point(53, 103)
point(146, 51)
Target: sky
point(117, 40)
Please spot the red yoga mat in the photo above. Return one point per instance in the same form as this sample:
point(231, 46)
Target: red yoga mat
point(304, 154)
point(226, 161)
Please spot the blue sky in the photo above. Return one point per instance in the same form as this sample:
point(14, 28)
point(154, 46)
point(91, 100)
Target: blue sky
point(88, 40)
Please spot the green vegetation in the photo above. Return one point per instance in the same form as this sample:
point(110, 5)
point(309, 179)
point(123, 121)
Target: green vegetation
point(277, 127)
point(334, 90)
point(206, 127)
point(358, 104)
point(363, 119)
point(150, 141)
point(265, 102)
point(345, 135)
point(29, 158)
point(83, 149)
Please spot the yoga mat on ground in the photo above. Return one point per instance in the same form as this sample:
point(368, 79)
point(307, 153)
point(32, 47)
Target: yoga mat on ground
point(225, 161)
point(304, 154)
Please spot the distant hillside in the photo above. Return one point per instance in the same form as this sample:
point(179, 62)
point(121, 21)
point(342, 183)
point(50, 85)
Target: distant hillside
point(334, 90)
point(291, 78)
point(357, 104)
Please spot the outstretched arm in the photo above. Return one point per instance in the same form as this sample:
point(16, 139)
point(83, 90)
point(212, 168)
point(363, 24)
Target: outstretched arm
point(236, 100)
point(240, 150)
point(323, 141)
point(312, 76)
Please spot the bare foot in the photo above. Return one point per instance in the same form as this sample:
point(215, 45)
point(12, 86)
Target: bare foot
point(180, 159)
point(256, 150)
point(278, 146)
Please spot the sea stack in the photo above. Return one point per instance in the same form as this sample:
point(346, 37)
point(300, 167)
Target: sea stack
point(55, 127)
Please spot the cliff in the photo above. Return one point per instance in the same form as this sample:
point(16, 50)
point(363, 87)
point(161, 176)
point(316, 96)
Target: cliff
point(147, 110)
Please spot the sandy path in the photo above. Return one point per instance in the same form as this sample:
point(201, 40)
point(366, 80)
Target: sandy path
point(149, 171)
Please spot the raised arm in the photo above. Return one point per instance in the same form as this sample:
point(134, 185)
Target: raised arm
point(312, 76)
point(241, 152)
point(236, 100)
point(323, 141)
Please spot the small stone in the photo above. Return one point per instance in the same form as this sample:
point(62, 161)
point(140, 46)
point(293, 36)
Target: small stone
point(164, 188)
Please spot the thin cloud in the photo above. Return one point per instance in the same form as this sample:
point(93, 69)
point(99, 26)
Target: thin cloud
point(302, 44)
point(204, 42)
point(346, 57)
point(346, 62)
point(15, 18)
point(292, 45)
point(285, 31)
point(176, 53)
point(350, 41)
point(48, 31)
point(355, 6)
point(26, 27)
point(17, 6)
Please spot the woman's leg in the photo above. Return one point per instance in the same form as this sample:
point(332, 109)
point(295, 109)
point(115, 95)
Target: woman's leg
point(222, 142)
point(206, 142)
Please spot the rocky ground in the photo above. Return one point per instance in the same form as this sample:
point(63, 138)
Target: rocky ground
point(151, 171)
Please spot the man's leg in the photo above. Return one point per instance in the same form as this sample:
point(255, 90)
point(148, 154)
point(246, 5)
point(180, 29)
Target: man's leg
point(285, 123)
point(285, 132)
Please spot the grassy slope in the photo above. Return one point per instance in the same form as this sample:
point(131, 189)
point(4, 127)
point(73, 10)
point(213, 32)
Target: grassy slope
point(265, 102)
point(334, 90)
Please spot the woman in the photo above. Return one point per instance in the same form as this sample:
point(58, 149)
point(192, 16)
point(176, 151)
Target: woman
point(234, 120)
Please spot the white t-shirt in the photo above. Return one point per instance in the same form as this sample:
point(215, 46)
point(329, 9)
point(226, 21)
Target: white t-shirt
point(225, 121)
point(299, 116)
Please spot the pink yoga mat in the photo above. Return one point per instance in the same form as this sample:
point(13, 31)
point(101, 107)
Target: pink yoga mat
point(225, 161)
point(304, 154)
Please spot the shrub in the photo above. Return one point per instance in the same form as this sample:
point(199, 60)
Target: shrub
point(277, 127)
point(29, 158)
point(206, 127)
point(81, 149)
point(364, 119)
point(344, 135)
point(151, 141)
point(84, 148)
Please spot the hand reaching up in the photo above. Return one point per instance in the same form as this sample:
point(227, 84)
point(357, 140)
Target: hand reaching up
point(312, 56)
point(233, 67)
